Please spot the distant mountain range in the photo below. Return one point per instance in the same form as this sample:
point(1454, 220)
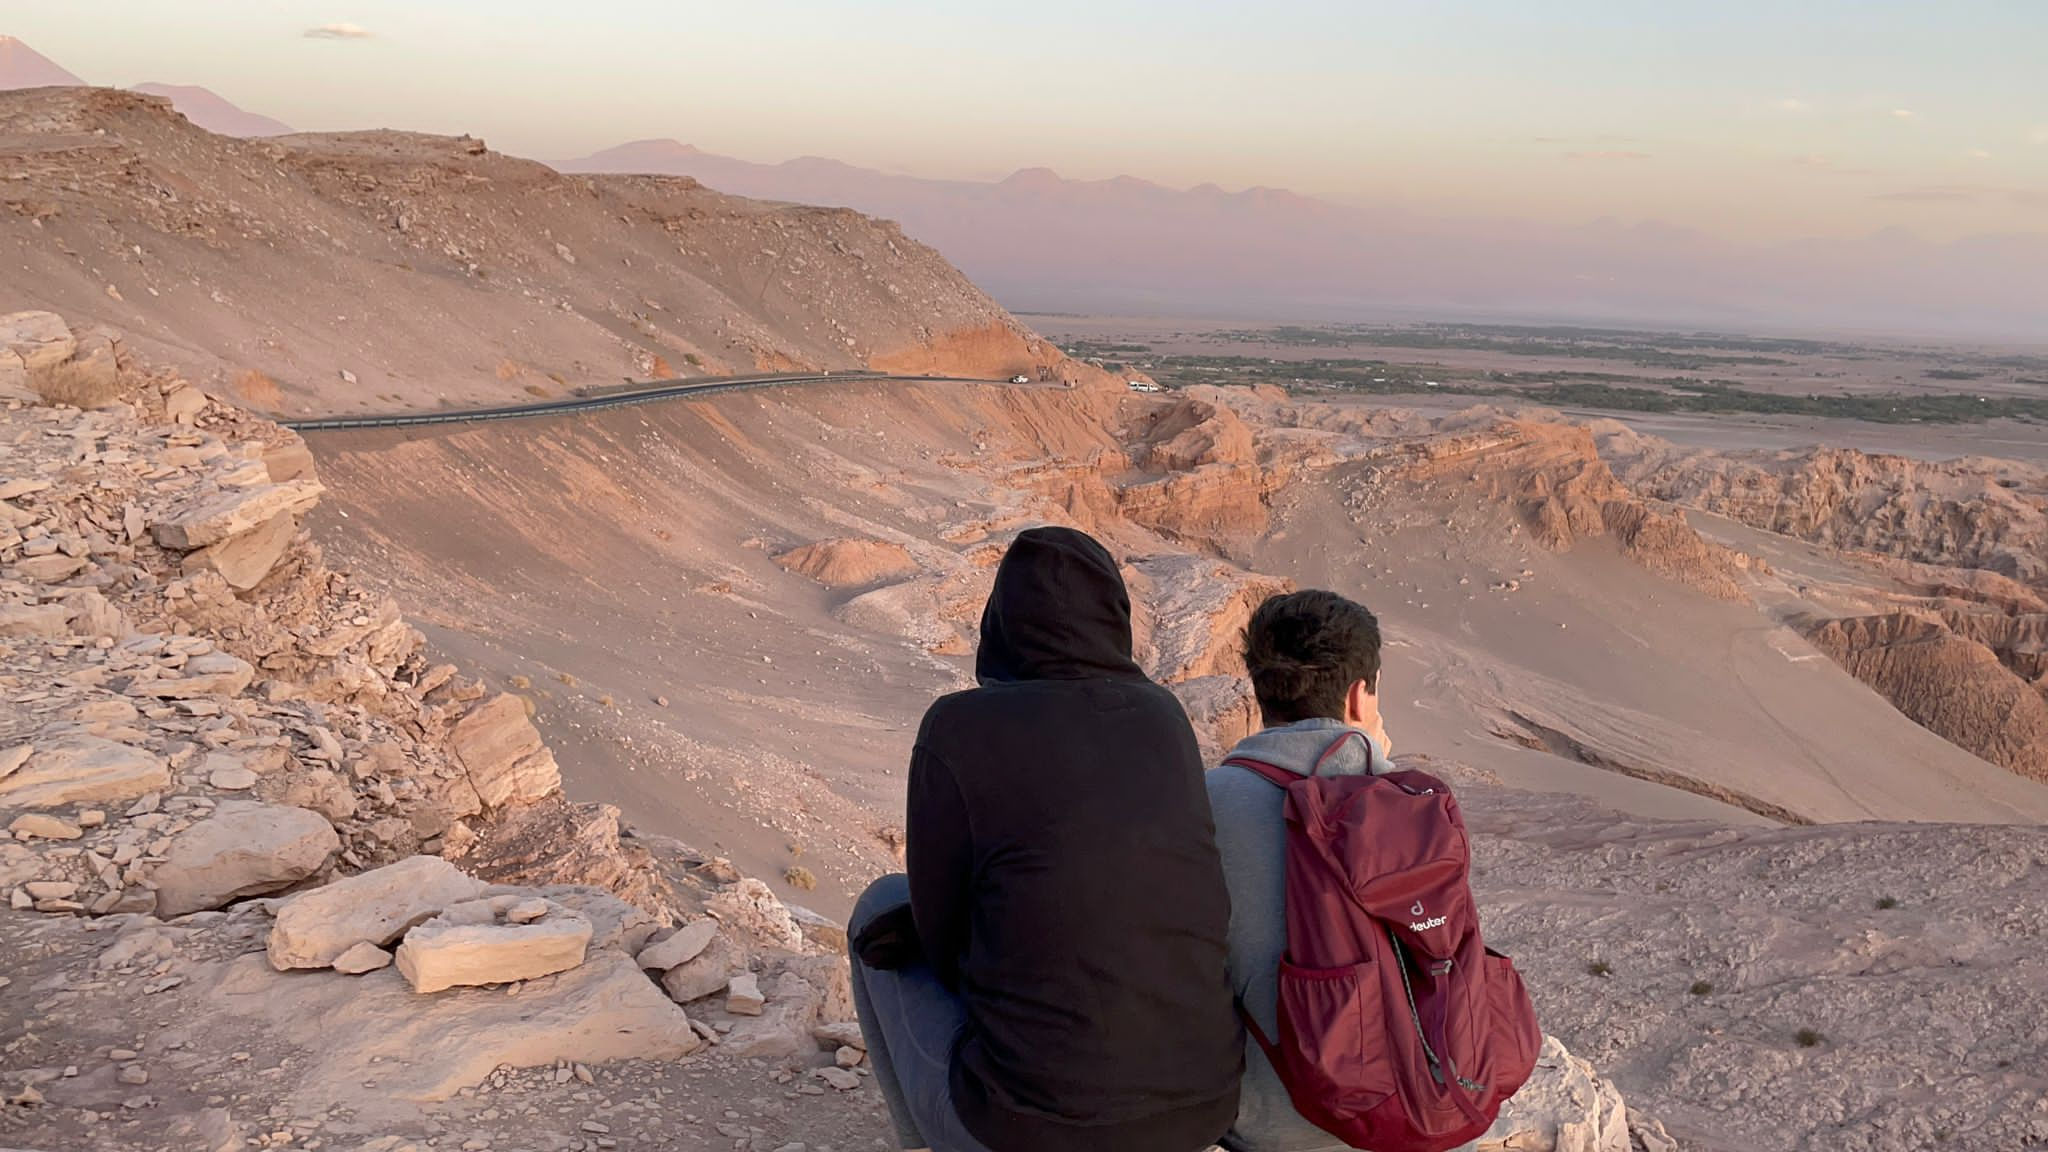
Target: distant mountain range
point(1039, 242)
point(23, 67)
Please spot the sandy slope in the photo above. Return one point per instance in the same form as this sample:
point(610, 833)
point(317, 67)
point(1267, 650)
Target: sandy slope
point(633, 554)
point(1640, 674)
point(612, 561)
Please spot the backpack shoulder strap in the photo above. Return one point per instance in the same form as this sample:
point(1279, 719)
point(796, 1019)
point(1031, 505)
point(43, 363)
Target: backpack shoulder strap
point(1272, 774)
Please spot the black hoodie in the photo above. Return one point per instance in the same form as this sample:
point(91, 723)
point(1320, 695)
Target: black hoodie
point(1065, 880)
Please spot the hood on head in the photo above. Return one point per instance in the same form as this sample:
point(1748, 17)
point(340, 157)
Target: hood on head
point(1058, 611)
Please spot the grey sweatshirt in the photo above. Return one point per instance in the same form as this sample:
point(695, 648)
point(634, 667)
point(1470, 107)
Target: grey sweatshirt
point(1251, 833)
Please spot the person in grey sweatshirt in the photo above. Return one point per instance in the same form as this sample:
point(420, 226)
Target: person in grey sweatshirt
point(1314, 661)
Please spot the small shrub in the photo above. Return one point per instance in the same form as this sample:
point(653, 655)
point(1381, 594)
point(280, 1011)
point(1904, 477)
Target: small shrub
point(537, 390)
point(1887, 903)
point(605, 701)
point(1808, 1038)
point(521, 682)
point(1600, 968)
point(1701, 988)
point(568, 680)
point(76, 383)
point(800, 878)
point(693, 360)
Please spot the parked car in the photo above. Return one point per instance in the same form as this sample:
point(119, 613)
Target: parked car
point(1020, 378)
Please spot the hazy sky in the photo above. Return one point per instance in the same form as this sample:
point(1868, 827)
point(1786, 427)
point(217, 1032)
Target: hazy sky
point(1743, 118)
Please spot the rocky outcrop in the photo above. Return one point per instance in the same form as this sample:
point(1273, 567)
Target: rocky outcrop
point(2019, 640)
point(1947, 682)
point(382, 1040)
point(1566, 493)
point(1192, 432)
point(850, 563)
point(502, 753)
point(1968, 513)
point(1190, 614)
point(1566, 1106)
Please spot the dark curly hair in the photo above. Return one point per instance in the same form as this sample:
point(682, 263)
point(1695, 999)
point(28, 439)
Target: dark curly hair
point(1304, 650)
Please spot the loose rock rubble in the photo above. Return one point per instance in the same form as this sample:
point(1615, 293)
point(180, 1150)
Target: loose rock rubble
point(198, 715)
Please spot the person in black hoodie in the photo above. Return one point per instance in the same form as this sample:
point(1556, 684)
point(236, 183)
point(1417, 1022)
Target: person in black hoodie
point(1051, 976)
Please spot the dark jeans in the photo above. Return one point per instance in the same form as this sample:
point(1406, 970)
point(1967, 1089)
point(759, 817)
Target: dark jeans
point(912, 1024)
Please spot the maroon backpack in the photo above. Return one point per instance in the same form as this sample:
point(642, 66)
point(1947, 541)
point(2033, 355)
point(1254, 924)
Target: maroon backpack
point(1399, 1030)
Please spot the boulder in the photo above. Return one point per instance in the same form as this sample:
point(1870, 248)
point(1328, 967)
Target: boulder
point(314, 928)
point(38, 826)
point(79, 769)
point(833, 1037)
point(213, 674)
point(54, 568)
point(91, 614)
point(232, 779)
point(14, 381)
point(37, 339)
point(243, 849)
point(1565, 1107)
point(503, 754)
point(681, 948)
point(234, 512)
point(832, 976)
point(287, 462)
point(244, 560)
point(743, 995)
point(707, 974)
point(364, 957)
point(752, 909)
point(777, 1026)
point(96, 368)
point(183, 405)
point(379, 1041)
point(45, 620)
point(455, 950)
point(324, 792)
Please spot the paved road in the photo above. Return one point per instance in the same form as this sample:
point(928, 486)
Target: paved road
point(608, 398)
